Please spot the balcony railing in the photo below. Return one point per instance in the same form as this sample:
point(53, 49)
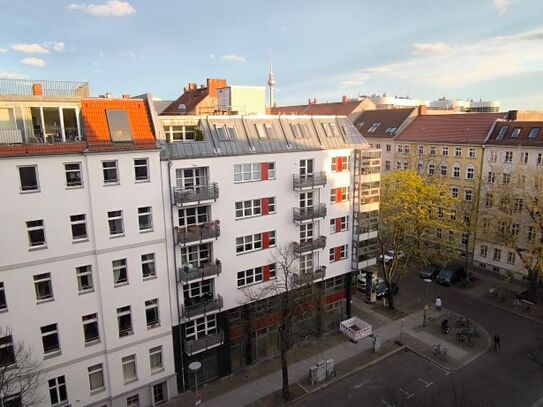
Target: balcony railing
point(193, 346)
point(186, 274)
point(196, 194)
point(39, 136)
point(309, 213)
point(31, 87)
point(312, 245)
point(307, 278)
point(197, 233)
point(201, 306)
point(317, 179)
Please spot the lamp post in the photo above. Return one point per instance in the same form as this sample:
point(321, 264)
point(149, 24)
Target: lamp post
point(427, 282)
point(194, 367)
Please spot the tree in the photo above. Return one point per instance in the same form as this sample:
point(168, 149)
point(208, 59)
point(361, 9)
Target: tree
point(414, 210)
point(513, 218)
point(20, 373)
point(297, 298)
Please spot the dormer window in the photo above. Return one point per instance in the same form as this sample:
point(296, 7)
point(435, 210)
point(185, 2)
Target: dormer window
point(225, 132)
point(119, 126)
point(298, 129)
point(374, 127)
point(534, 132)
point(501, 133)
point(515, 133)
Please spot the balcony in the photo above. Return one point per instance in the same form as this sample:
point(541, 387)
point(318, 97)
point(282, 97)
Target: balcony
point(193, 346)
point(201, 306)
point(198, 233)
point(187, 274)
point(317, 179)
point(309, 213)
point(307, 278)
point(185, 196)
point(30, 87)
point(55, 135)
point(310, 246)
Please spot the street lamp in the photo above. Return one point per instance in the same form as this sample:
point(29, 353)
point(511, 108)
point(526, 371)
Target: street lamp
point(427, 282)
point(194, 367)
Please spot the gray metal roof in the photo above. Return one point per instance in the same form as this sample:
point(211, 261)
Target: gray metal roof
point(247, 135)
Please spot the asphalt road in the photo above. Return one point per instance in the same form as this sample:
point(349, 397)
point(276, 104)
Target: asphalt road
point(509, 379)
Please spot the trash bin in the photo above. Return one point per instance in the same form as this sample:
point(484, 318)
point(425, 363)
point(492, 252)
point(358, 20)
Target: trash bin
point(377, 341)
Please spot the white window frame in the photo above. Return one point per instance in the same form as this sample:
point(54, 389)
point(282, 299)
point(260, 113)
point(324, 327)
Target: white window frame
point(96, 370)
point(141, 163)
point(470, 172)
point(133, 400)
point(458, 151)
point(472, 152)
point(3, 300)
point(53, 332)
point(455, 191)
point(119, 267)
point(113, 216)
point(457, 169)
point(75, 221)
point(248, 208)
point(250, 276)
point(56, 384)
point(445, 151)
point(148, 261)
point(43, 278)
point(129, 365)
point(508, 157)
point(155, 353)
point(34, 226)
point(122, 312)
point(249, 243)
point(70, 184)
point(248, 172)
point(81, 273)
point(111, 166)
point(152, 306)
point(145, 213)
point(90, 319)
point(29, 189)
point(468, 192)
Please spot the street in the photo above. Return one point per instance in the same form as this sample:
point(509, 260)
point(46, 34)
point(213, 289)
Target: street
point(509, 379)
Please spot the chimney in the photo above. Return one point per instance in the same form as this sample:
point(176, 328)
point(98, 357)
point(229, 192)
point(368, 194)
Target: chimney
point(37, 90)
point(126, 96)
point(422, 110)
point(314, 101)
point(512, 115)
point(344, 99)
point(309, 101)
point(213, 85)
point(108, 95)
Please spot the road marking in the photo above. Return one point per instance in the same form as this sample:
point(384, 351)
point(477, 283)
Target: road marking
point(359, 385)
point(409, 395)
point(426, 384)
point(388, 405)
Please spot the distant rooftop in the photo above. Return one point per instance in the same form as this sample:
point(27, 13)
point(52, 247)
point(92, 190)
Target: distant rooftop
point(35, 87)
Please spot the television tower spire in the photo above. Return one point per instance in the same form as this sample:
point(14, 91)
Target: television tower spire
point(271, 82)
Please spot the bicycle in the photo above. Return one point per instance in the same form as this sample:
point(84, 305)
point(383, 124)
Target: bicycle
point(465, 339)
point(469, 331)
point(462, 323)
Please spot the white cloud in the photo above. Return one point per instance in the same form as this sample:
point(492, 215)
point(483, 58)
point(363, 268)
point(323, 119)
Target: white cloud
point(436, 48)
point(212, 56)
point(111, 8)
point(11, 75)
point(57, 46)
point(502, 6)
point(464, 64)
point(33, 61)
point(30, 48)
point(233, 58)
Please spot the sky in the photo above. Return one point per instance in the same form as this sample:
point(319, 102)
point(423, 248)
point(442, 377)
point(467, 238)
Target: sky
point(489, 49)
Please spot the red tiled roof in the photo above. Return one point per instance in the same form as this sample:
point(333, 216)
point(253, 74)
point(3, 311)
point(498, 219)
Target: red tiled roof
point(191, 99)
point(389, 118)
point(465, 128)
point(521, 138)
point(318, 109)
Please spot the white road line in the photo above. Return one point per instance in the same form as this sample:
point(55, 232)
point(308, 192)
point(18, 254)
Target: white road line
point(426, 384)
point(388, 405)
point(409, 395)
point(359, 385)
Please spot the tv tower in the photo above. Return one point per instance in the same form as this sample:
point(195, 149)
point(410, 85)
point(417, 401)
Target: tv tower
point(271, 83)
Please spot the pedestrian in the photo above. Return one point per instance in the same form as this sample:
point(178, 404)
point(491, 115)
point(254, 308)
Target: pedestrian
point(497, 343)
point(438, 303)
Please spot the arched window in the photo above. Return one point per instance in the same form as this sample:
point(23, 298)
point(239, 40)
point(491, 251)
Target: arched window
point(470, 172)
point(431, 168)
point(456, 170)
point(444, 169)
point(420, 167)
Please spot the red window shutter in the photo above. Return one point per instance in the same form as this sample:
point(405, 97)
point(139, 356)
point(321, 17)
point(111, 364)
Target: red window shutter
point(266, 272)
point(265, 240)
point(339, 165)
point(338, 194)
point(338, 224)
point(265, 206)
point(337, 254)
point(263, 171)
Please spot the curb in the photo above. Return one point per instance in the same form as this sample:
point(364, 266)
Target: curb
point(344, 375)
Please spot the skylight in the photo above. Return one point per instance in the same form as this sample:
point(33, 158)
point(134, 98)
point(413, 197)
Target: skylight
point(119, 127)
point(501, 133)
point(374, 127)
point(534, 132)
point(515, 133)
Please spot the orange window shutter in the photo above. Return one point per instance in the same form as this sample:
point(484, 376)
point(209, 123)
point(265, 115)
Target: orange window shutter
point(265, 206)
point(265, 240)
point(337, 253)
point(339, 165)
point(263, 171)
point(266, 272)
point(338, 224)
point(338, 195)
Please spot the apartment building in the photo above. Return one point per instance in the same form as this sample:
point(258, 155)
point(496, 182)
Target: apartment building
point(84, 266)
point(512, 161)
point(240, 188)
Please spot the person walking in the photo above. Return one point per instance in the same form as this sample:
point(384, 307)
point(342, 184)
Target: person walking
point(438, 303)
point(497, 343)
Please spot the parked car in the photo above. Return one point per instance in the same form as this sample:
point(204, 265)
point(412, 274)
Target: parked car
point(382, 289)
point(430, 271)
point(389, 256)
point(361, 282)
point(450, 275)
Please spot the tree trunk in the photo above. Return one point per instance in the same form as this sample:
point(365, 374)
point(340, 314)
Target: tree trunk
point(533, 285)
point(283, 345)
point(390, 296)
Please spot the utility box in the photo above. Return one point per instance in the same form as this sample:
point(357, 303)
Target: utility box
point(377, 342)
point(330, 368)
point(313, 374)
point(321, 371)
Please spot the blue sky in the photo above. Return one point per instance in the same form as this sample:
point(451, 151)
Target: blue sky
point(423, 48)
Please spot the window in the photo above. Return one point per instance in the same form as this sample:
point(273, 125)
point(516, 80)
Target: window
point(468, 194)
point(73, 175)
point(431, 169)
point(79, 227)
point(120, 272)
point(254, 242)
point(458, 151)
point(493, 156)
point(339, 194)
point(378, 146)
point(456, 171)
point(3, 303)
point(225, 132)
point(7, 352)
point(387, 165)
point(497, 255)
point(374, 127)
point(531, 233)
point(534, 132)
point(111, 172)
point(115, 221)
point(388, 148)
point(141, 169)
point(28, 176)
point(339, 224)
point(483, 251)
point(133, 401)
point(444, 151)
point(124, 320)
point(515, 229)
point(508, 157)
point(249, 208)
point(439, 233)
point(518, 204)
point(464, 239)
point(399, 148)
point(96, 378)
point(450, 237)
point(420, 150)
point(57, 390)
point(250, 276)
point(298, 129)
point(539, 158)
point(36, 233)
point(160, 394)
point(145, 219)
point(306, 263)
point(271, 205)
point(444, 168)
point(84, 279)
point(151, 313)
point(49, 338)
point(148, 268)
point(271, 170)
point(43, 287)
point(129, 368)
point(491, 177)
point(506, 178)
point(515, 133)
point(432, 150)
point(524, 158)
point(191, 178)
point(155, 359)
point(90, 328)
point(119, 126)
point(420, 167)
point(338, 253)
point(470, 173)
point(193, 216)
point(340, 164)
point(454, 192)
point(511, 257)
point(407, 148)
point(471, 152)
point(501, 132)
point(247, 172)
